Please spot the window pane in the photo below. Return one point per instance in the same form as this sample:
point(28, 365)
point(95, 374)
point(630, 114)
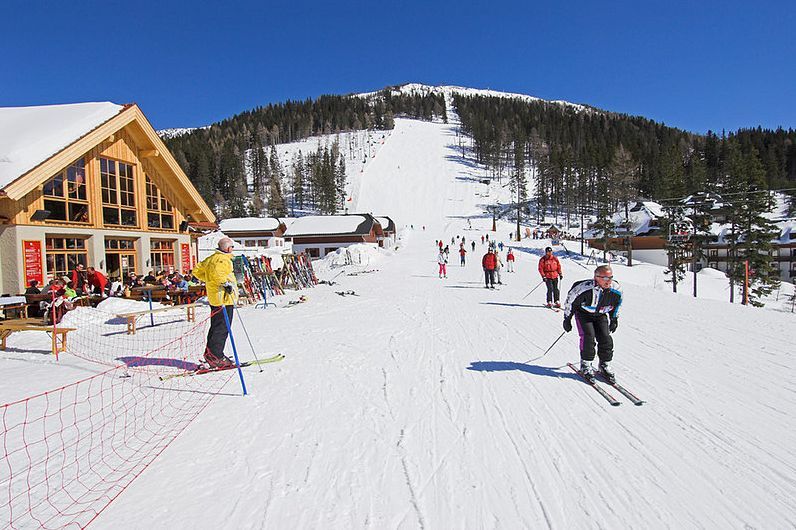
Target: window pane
point(110, 216)
point(128, 218)
point(57, 209)
point(78, 213)
point(54, 187)
point(167, 222)
point(153, 220)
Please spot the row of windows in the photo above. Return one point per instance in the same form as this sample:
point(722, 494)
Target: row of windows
point(64, 253)
point(66, 197)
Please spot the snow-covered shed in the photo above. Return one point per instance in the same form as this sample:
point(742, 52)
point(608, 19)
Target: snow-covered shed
point(255, 232)
point(90, 183)
point(319, 235)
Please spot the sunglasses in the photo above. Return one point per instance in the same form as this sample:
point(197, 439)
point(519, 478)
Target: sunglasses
point(605, 277)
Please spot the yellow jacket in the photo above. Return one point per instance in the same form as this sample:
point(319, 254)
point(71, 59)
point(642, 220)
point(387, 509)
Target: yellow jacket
point(215, 270)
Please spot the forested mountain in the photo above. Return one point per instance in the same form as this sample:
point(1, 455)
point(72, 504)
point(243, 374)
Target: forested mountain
point(586, 156)
point(219, 158)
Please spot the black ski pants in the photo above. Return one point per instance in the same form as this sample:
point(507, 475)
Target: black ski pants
point(552, 290)
point(217, 334)
point(489, 277)
point(593, 328)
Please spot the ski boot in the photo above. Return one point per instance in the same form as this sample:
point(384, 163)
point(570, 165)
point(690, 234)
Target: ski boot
point(608, 373)
point(549, 305)
point(587, 371)
point(218, 362)
point(558, 305)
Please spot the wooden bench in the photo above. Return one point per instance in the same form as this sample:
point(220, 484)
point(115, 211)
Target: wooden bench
point(34, 324)
point(131, 318)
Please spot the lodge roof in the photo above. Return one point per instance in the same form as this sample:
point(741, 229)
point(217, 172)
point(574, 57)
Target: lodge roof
point(330, 225)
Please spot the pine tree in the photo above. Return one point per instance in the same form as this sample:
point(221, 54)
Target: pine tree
point(676, 244)
point(276, 199)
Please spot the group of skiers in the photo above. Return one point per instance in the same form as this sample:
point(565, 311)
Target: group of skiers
point(593, 304)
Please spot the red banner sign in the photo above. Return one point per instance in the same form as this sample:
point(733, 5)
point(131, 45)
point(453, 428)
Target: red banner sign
point(33, 262)
point(185, 253)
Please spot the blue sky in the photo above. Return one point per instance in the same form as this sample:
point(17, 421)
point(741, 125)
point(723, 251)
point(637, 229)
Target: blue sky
point(697, 65)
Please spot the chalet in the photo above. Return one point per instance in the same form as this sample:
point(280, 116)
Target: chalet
point(90, 183)
point(255, 232)
point(388, 226)
point(319, 235)
point(644, 228)
point(716, 251)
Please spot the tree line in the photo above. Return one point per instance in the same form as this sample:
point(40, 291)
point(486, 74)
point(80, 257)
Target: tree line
point(234, 165)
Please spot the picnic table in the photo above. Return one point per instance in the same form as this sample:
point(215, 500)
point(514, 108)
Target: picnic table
point(131, 318)
point(14, 303)
point(8, 327)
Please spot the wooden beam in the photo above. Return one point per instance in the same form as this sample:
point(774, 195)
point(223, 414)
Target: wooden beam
point(148, 153)
point(111, 138)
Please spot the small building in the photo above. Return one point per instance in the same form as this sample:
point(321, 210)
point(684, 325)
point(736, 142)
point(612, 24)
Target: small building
point(716, 251)
point(644, 230)
point(255, 232)
point(90, 183)
point(388, 226)
point(318, 235)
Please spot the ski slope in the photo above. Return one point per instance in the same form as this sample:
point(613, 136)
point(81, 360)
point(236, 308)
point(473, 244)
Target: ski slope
point(417, 404)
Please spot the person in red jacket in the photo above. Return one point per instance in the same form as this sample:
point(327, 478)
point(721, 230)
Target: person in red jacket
point(462, 253)
point(510, 261)
point(550, 269)
point(489, 262)
point(80, 279)
point(97, 280)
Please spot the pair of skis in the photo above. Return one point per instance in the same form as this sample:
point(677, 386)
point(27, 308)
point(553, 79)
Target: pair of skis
point(207, 370)
point(604, 393)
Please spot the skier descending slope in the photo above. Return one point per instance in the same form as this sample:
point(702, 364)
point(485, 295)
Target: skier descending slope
point(595, 306)
point(442, 260)
point(550, 269)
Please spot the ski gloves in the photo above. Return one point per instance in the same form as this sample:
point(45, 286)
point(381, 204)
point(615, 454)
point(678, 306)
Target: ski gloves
point(613, 325)
point(228, 287)
point(568, 324)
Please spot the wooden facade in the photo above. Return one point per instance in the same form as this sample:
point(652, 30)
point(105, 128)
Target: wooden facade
point(113, 196)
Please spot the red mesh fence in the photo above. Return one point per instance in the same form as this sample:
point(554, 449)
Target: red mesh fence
point(67, 453)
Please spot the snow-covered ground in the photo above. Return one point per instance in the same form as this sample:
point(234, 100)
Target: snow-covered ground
point(422, 403)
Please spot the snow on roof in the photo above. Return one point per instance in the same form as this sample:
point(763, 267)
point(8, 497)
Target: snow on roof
point(249, 224)
point(31, 135)
point(325, 224)
point(386, 223)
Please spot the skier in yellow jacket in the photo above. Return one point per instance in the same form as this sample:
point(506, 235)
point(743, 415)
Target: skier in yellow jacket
point(222, 291)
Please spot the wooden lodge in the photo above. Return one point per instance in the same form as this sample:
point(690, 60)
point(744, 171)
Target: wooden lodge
point(319, 235)
point(90, 183)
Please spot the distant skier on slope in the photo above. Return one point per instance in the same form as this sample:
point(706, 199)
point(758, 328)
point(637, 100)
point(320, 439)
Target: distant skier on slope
point(550, 269)
point(489, 262)
point(595, 306)
point(498, 266)
point(462, 254)
point(442, 260)
point(510, 261)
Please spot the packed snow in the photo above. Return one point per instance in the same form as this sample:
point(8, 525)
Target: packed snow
point(420, 402)
point(31, 135)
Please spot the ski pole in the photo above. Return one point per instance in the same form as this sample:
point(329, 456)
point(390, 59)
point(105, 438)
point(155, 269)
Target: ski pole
point(246, 332)
point(547, 350)
point(532, 290)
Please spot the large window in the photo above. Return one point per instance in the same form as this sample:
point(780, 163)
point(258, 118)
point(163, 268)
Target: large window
point(120, 257)
point(162, 255)
point(159, 213)
point(63, 254)
point(65, 195)
point(118, 193)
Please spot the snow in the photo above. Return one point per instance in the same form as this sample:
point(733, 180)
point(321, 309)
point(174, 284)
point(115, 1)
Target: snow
point(249, 224)
point(324, 224)
point(424, 402)
point(31, 135)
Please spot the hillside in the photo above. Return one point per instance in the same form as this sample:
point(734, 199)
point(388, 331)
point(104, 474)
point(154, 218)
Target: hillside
point(424, 403)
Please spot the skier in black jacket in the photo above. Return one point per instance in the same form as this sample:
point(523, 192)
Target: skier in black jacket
point(595, 306)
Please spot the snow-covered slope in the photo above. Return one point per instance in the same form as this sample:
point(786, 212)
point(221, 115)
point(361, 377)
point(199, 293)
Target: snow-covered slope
point(426, 403)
